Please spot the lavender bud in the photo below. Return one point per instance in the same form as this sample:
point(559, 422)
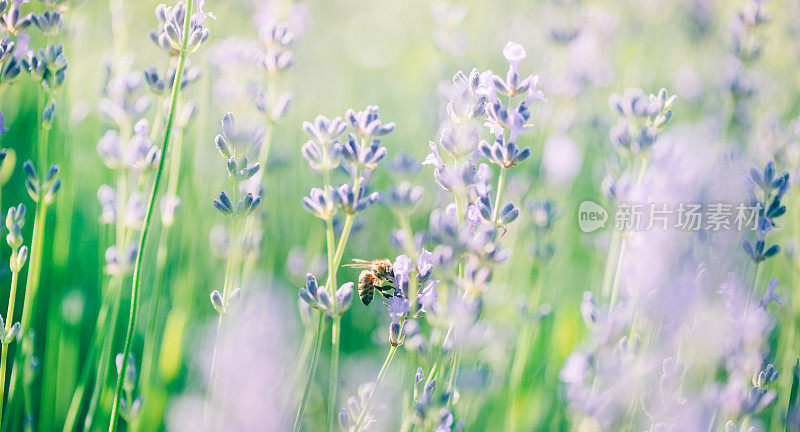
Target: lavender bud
point(130, 371)
point(344, 420)
point(344, 297)
point(324, 300)
point(11, 334)
point(394, 333)
point(216, 302)
point(224, 204)
point(311, 284)
point(282, 106)
point(223, 146)
point(48, 114)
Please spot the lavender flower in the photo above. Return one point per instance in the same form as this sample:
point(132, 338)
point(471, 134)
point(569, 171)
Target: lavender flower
point(366, 158)
point(367, 124)
point(120, 262)
point(318, 298)
point(42, 190)
point(171, 18)
point(770, 192)
point(48, 22)
point(642, 118)
point(352, 204)
point(404, 197)
point(277, 39)
point(322, 152)
point(504, 154)
point(11, 21)
point(319, 203)
point(47, 66)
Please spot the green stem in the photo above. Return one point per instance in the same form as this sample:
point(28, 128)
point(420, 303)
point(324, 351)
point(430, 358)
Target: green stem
point(334, 376)
point(298, 420)
point(149, 353)
point(623, 245)
point(146, 226)
point(232, 257)
point(608, 273)
point(501, 180)
point(101, 374)
point(4, 356)
point(31, 284)
point(368, 405)
point(76, 403)
point(330, 286)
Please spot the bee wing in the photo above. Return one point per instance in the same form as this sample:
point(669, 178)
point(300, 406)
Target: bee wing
point(359, 263)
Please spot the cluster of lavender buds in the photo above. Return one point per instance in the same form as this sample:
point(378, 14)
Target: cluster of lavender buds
point(130, 406)
point(9, 335)
point(360, 154)
point(255, 72)
point(543, 215)
point(432, 411)
point(127, 149)
point(11, 18)
point(42, 191)
point(168, 34)
point(277, 40)
point(15, 220)
point(641, 119)
point(474, 98)
point(747, 46)
point(46, 66)
point(239, 171)
point(10, 61)
point(318, 298)
point(768, 193)
point(355, 405)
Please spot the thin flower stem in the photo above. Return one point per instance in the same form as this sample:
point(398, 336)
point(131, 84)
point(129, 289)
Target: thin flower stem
point(303, 356)
point(312, 370)
point(76, 403)
point(330, 242)
point(334, 377)
point(520, 361)
point(105, 355)
point(501, 180)
point(368, 405)
point(149, 353)
point(32, 280)
point(4, 356)
point(146, 226)
point(623, 245)
point(333, 267)
point(336, 325)
point(751, 289)
point(263, 152)
point(122, 237)
point(608, 273)
point(232, 257)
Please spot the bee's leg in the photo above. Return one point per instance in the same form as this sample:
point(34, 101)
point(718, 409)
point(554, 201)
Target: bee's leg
point(388, 291)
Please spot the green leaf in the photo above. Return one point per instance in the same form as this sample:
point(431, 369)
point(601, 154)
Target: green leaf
point(793, 413)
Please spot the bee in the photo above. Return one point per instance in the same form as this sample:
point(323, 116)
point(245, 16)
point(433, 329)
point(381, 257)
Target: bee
point(375, 276)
